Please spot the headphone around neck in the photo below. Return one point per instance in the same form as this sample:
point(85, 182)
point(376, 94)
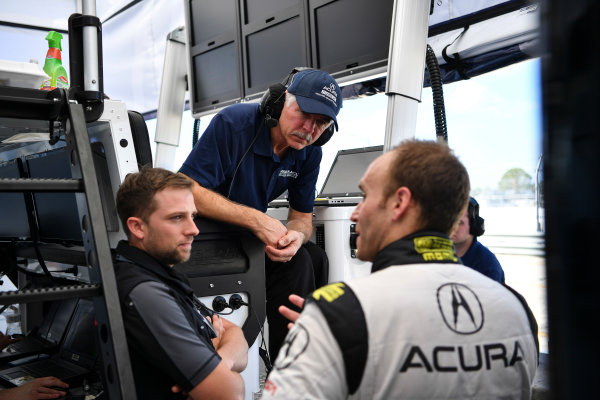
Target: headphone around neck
point(476, 223)
point(273, 100)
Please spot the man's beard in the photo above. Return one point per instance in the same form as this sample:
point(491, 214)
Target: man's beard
point(172, 257)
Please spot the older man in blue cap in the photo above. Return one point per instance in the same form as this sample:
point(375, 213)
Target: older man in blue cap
point(252, 153)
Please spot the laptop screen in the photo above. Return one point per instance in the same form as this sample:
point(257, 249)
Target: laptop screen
point(79, 346)
point(347, 169)
point(62, 310)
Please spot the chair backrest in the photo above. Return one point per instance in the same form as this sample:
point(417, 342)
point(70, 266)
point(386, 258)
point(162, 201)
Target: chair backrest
point(141, 139)
point(229, 259)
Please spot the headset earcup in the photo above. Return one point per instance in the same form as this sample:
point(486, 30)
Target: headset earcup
point(325, 136)
point(476, 223)
point(271, 104)
point(478, 228)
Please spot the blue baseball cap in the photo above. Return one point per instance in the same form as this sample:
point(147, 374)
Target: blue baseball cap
point(317, 93)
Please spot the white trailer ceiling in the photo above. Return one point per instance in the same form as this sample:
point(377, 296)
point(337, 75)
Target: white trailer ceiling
point(134, 36)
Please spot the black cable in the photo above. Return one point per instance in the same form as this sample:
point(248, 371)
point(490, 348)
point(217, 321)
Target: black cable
point(244, 156)
point(195, 132)
point(263, 350)
point(235, 302)
point(439, 111)
point(42, 263)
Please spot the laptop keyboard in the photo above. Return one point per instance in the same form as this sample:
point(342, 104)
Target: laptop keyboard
point(22, 346)
point(48, 367)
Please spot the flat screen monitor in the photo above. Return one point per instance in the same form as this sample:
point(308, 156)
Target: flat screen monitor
point(58, 218)
point(346, 171)
point(215, 78)
point(358, 40)
point(214, 70)
point(271, 53)
point(57, 213)
point(14, 223)
point(211, 19)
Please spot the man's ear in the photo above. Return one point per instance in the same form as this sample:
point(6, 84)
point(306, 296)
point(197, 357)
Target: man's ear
point(402, 199)
point(136, 227)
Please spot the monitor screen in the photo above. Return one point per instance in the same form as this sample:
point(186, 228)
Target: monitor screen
point(347, 169)
point(80, 339)
point(58, 218)
point(359, 40)
point(215, 77)
point(57, 213)
point(211, 18)
point(14, 223)
point(62, 311)
point(214, 71)
point(272, 52)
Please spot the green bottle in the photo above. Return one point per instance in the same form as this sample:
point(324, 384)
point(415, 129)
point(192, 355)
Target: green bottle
point(53, 65)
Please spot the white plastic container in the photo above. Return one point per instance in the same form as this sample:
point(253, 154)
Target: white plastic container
point(21, 74)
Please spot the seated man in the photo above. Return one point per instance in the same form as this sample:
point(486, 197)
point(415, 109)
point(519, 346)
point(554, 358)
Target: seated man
point(172, 343)
point(422, 325)
point(472, 253)
point(252, 153)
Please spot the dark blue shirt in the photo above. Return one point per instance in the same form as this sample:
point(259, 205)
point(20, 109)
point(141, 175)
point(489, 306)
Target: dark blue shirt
point(481, 259)
point(262, 176)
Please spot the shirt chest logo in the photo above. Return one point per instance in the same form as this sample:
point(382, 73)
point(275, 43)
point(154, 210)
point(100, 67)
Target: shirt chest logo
point(286, 173)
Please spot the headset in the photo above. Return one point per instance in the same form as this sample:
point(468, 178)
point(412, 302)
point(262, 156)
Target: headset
point(476, 223)
point(273, 100)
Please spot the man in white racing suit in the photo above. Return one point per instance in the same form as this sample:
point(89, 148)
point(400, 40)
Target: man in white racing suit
point(422, 325)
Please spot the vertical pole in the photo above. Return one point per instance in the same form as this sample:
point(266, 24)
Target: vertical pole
point(90, 50)
point(171, 101)
point(406, 67)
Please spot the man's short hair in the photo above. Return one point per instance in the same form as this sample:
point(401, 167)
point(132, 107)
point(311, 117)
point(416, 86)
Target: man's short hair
point(437, 180)
point(135, 197)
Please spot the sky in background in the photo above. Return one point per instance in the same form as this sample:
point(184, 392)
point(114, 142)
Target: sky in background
point(494, 124)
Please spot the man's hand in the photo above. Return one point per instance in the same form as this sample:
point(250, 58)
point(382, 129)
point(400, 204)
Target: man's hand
point(5, 340)
point(230, 344)
point(177, 389)
point(289, 313)
point(217, 323)
point(287, 247)
point(269, 230)
point(40, 388)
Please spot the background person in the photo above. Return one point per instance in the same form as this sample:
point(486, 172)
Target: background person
point(40, 388)
point(422, 325)
point(172, 343)
point(249, 155)
point(472, 253)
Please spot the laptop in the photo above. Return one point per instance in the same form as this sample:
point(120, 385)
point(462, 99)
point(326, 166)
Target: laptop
point(341, 184)
point(75, 358)
point(47, 338)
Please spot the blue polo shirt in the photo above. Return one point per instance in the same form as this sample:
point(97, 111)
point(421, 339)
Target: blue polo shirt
point(262, 176)
point(481, 259)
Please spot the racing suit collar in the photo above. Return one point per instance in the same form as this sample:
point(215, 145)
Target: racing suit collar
point(416, 248)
